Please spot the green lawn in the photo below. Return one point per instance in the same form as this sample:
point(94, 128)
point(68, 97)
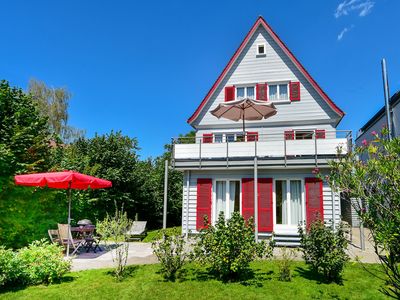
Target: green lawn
point(154, 234)
point(145, 283)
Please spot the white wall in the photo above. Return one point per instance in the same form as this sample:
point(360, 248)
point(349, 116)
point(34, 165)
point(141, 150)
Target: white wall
point(239, 174)
point(275, 66)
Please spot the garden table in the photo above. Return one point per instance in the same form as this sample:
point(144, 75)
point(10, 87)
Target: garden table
point(87, 233)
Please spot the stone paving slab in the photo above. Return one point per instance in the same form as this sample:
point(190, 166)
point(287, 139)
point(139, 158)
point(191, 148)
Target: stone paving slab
point(141, 253)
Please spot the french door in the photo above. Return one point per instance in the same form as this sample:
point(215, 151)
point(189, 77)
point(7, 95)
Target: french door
point(226, 198)
point(289, 207)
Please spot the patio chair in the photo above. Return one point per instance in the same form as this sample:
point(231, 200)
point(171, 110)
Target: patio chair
point(137, 231)
point(66, 237)
point(54, 236)
point(92, 240)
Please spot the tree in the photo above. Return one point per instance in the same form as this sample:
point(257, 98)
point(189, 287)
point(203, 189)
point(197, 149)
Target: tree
point(53, 103)
point(111, 156)
point(377, 182)
point(24, 148)
point(24, 137)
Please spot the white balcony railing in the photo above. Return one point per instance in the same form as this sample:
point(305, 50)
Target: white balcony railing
point(297, 144)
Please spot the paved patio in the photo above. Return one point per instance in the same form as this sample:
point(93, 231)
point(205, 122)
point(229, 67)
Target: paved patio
point(138, 254)
point(141, 253)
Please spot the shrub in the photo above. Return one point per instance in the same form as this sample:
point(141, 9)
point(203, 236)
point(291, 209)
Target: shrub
point(229, 246)
point(324, 249)
point(42, 262)
point(284, 264)
point(10, 267)
point(114, 231)
point(170, 251)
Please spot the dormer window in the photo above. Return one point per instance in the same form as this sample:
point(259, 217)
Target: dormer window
point(245, 92)
point(261, 49)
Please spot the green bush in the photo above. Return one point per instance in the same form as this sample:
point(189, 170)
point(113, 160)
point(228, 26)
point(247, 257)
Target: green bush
point(284, 264)
point(114, 231)
point(170, 251)
point(229, 246)
point(324, 249)
point(10, 267)
point(42, 262)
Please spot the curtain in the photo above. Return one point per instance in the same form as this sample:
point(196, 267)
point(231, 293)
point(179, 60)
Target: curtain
point(220, 197)
point(283, 92)
point(273, 92)
point(232, 193)
point(295, 202)
point(250, 92)
point(284, 203)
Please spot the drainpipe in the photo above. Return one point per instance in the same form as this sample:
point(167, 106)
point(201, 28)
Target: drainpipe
point(187, 203)
point(165, 194)
point(255, 199)
point(387, 95)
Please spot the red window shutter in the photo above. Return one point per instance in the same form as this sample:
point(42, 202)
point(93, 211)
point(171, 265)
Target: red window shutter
point(207, 138)
point(204, 196)
point(229, 93)
point(265, 206)
point(294, 91)
point(247, 198)
point(252, 136)
point(314, 200)
point(289, 134)
point(262, 91)
point(320, 133)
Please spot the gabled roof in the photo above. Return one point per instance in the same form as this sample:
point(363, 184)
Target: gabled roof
point(393, 101)
point(261, 22)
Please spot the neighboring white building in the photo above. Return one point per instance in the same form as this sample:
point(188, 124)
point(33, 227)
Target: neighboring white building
point(218, 164)
point(379, 120)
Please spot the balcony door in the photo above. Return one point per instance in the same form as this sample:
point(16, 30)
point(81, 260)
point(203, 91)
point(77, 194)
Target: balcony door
point(289, 206)
point(226, 198)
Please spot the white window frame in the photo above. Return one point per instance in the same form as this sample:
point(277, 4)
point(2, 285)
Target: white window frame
point(278, 92)
point(245, 90)
point(284, 228)
point(214, 216)
point(258, 49)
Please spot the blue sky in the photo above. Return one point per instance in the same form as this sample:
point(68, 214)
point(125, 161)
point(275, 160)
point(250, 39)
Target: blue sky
point(143, 67)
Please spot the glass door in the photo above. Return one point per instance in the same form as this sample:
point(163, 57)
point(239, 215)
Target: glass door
point(227, 198)
point(289, 204)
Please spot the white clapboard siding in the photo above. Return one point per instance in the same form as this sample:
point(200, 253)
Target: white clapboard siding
point(268, 133)
point(238, 175)
point(274, 67)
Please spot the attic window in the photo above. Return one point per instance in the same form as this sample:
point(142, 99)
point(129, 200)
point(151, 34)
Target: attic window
point(261, 49)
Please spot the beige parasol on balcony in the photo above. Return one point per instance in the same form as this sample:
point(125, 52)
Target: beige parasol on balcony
point(245, 109)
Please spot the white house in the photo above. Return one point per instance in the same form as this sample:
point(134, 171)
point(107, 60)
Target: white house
point(221, 165)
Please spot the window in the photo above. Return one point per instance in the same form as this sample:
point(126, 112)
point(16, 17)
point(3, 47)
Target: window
point(278, 92)
point(261, 49)
point(288, 202)
point(227, 197)
point(245, 92)
point(235, 137)
point(218, 138)
point(304, 135)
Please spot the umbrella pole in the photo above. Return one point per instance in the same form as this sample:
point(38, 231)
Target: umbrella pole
point(69, 218)
point(244, 130)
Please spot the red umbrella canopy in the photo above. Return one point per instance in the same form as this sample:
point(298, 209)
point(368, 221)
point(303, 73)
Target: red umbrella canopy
point(62, 180)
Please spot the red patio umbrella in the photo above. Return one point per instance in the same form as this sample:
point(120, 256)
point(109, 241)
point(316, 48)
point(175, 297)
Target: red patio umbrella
point(66, 180)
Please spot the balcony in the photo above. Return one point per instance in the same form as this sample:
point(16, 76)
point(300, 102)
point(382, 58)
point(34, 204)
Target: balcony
point(288, 149)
